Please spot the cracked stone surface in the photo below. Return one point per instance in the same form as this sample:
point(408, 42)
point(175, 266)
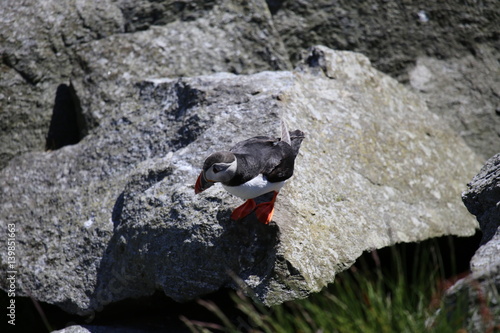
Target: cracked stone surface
point(115, 216)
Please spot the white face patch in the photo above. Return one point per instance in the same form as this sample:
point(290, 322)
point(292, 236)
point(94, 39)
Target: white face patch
point(221, 172)
point(254, 187)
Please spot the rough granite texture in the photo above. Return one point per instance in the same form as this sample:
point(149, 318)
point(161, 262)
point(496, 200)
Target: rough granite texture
point(99, 46)
point(465, 92)
point(115, 216)
point(479, 293)
point(391, 34)
point(456, 41)
point(483, 195)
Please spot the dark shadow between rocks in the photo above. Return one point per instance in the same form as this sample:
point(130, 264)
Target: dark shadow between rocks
point(117, 210)
point(67, 125)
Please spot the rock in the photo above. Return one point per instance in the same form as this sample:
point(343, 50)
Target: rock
point(109, 329)
point(227, 37)
point(76, 329)
point(456, 42)
point(115, 216)
point(476, 298)
point(465, 92)
point(477, 294)
point(486, 261)
point(391, 35)
point(100, 46)
point(35, 62)
point(482, 197)
point(87, 44)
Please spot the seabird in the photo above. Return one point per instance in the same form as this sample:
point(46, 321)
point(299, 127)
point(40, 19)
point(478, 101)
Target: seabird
point(252, 168)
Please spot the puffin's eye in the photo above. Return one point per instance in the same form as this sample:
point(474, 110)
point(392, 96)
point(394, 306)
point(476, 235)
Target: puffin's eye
point(218, 167)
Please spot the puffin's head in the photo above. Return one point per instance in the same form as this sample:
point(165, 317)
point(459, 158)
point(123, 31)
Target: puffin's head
point(218, 167)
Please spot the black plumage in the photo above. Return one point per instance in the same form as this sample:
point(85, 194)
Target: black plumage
point(251, 169)
point(271, 157)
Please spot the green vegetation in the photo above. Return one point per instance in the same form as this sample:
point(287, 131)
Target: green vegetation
point(402, 295)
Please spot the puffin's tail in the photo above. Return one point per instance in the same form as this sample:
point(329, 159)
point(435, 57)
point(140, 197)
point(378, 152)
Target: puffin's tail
point(285, 135)
point(293, 138)
point(296, 138)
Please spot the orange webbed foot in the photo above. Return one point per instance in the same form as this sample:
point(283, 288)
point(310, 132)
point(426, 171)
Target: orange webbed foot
point(264, 211)
point(243, 210)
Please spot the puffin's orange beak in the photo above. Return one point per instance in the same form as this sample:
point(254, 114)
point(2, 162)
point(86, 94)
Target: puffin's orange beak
point(202, 184)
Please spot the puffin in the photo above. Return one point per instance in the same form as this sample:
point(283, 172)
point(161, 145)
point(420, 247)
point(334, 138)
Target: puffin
point(253, 168)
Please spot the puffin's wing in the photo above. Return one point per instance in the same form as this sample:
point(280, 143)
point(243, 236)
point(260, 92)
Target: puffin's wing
point(264, 155)
point(268, 156)
point(255, 156)
point(280, 163)
point(253, 145)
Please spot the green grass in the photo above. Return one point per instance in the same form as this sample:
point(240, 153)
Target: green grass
point(400, 296)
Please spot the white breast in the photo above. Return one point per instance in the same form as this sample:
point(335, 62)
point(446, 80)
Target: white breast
point(254, 188)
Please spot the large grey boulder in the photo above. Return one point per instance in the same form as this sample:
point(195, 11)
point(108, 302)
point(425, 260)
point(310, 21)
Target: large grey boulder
point(482, 197)
point(111, 42)
point(194, 39)
point(453, 44)
point(392, 35)
point(478, 294)
point(100, 46)
point(36, 47)
point(465, 92)
point(115, 216)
